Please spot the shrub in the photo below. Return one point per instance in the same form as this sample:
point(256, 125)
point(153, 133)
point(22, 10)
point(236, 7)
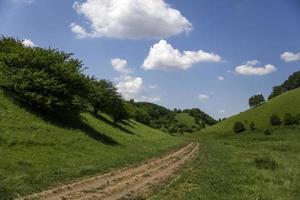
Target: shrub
point(266, 163)
point(289, 119)
point(267, 132)
point(275, 120)
point(46, 79)
point(252, 126)
point(238, 127)
point(298, 119)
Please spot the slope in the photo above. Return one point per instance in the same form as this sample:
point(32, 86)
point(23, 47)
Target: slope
point(37, 152)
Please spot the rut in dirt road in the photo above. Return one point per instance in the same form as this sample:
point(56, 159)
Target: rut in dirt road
point(126, 183)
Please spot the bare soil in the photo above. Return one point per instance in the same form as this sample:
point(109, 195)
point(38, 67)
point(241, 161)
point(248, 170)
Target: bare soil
point(128, 183)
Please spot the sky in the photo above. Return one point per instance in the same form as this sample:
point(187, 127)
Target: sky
point(209, 54)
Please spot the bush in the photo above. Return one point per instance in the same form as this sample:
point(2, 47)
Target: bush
point(252, 126)
point(298, 119)
point(275, 120)
point(289, 119)
point(238, 127)
point(265, 163)
point(46, 79)
point(267, 132)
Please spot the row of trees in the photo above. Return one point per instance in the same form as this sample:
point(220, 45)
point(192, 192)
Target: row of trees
point(288, 119)
point(53, 81)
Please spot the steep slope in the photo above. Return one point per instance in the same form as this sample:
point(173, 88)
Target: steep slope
point(37, 152)
point(288, 102)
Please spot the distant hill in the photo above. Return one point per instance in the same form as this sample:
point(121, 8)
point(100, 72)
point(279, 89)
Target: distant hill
point(288, 102)
point(171, 121)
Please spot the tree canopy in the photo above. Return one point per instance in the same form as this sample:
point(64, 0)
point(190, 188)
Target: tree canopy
point(256, 100)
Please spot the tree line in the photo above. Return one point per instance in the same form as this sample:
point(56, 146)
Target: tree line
point(53, 82)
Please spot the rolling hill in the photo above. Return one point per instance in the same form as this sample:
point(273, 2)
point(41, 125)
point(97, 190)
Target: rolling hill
point(37, 152)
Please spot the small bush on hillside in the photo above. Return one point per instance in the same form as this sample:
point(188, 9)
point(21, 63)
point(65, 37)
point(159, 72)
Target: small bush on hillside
point(252, 126)
point(298, 119)
point(275, 120)
point(266, 163)
point(238, 127)
point(267, 132)
point(289, 119)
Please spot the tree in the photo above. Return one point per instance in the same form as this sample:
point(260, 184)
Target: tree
point(298, 118)
point(252, 126)
point(238, 127)
point(46, 79)
point(289, 119)
point(105, 98)
point(256, 100)
point(275, 120)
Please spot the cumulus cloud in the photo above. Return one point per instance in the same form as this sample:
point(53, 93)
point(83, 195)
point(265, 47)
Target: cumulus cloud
point(131, 19)
point(163, 56)
point(129, 86)
point(290, 57)
point(221, 78)
point(249, 69)
point(203, 97)
point(28, 43)
point(120, 65)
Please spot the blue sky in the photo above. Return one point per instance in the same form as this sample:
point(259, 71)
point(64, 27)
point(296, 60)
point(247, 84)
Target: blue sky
point(221, 37)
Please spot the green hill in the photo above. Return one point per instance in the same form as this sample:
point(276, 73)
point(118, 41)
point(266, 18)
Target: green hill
point(37, 152)
point(285, 103)
point(244, 166)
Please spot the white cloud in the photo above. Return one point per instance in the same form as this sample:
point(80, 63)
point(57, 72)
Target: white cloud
point(222, 111)
point(221, 78)
point(28, 43)
point(290, 57)
point(152, 87)
point(163, 56)
point(129, 86)
point(120, 65)
point(133, 19)
point(24, 1)
point(203, 97)
point(249, 69)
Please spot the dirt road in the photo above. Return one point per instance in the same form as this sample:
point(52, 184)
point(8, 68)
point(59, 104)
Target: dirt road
point(127, 183)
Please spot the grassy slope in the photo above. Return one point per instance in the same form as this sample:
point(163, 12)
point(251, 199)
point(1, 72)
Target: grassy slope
point(35, 153)
point(287, 102)
point(225, 167)
point(185, 118)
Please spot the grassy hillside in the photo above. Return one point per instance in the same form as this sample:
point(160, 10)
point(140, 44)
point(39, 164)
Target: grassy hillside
point(185, 118)
point(244, 166)
point(37, 152)
point(285, 103)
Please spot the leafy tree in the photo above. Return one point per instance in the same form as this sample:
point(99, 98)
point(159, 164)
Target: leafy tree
point(293, 82)
point(238, 127)
point(142, 117)
point(104, 97)
point(275, 120)
point(256, 100)
point(252, 126)
point(289, 119)
point(47, 79)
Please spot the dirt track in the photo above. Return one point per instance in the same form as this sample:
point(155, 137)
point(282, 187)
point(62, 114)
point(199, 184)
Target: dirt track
point(127, 183)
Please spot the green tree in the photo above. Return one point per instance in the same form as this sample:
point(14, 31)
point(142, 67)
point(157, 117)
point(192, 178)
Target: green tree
point(45, 79)
point(252, 126)
point(238, 127)
point(275, 120)
point(289, 119)
point(256, 100)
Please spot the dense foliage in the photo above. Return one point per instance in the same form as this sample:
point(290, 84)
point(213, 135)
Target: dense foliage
point(293, 82)
point(238, 127)
point(46, 79)
point(105, 98)
point(275, 120)
point(256, 100)
point(200, 116)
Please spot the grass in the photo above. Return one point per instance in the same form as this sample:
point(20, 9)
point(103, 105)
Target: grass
point(285, 103)
point(185, 118)
point(248, 165)
point(36, 153)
